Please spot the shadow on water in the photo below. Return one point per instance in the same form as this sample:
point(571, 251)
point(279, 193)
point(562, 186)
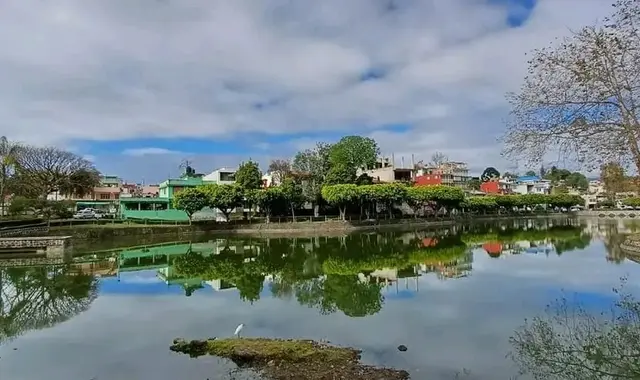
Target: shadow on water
point(350, 275)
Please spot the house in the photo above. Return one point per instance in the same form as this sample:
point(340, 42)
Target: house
point(221, 176)
point(386, 171)
point(531, 185)
point(446, 173)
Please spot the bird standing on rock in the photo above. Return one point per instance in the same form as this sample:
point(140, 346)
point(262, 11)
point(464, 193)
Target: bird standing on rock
point(238, 329)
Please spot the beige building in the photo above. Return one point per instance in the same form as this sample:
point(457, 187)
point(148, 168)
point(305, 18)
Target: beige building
point(387, 171)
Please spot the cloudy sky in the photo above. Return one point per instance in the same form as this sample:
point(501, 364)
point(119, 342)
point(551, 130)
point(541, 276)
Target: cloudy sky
point(139, 85)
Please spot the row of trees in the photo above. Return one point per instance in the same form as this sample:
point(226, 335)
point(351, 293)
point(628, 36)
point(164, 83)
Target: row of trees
point(34, 172)
point(366, 200)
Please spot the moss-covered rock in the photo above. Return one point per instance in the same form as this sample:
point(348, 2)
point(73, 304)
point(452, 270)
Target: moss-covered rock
point(280, 359)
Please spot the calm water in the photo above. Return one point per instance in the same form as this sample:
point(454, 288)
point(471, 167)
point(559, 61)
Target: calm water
point(452, 296)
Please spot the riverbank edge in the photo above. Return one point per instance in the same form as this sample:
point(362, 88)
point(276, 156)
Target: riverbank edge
point(632, 244)
point(272, 229)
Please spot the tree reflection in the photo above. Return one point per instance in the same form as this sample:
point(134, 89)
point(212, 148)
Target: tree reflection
point(571, 343)
point(343, 274)
point(39, 297)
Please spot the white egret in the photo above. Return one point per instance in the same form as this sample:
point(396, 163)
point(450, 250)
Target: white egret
point(238, 329)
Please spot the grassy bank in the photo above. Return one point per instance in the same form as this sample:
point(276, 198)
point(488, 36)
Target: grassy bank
point(289, 359)
point(106, 231)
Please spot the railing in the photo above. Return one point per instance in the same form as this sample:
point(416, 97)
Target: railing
point(355, 219)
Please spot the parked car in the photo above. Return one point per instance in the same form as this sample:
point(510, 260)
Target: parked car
point(87, 214)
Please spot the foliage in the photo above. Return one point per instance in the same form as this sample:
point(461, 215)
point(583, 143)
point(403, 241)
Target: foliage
point(482, 203)
point(80, 183)
point(474, 184)
point(340, 174)
point(633, 202)
point(8, 157)
point(292, 193)
point(613, 177)
point(223, 197)
point(248, 176)
point(315, 163)
point(39, 297)
point(387, 195)
point(570, 342)
point(191, 200)
point(268, 200)
point(19, 205)
point(341, 196)
point(354, 152)
point(580, 96)
point(42, 170)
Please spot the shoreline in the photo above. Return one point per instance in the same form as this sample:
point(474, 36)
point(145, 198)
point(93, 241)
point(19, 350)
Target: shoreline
point(274, 229)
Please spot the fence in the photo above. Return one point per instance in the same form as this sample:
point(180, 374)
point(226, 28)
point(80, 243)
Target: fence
point(354, 219)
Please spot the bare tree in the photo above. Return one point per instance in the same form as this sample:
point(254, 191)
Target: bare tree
point(439, 158)
point(280, 170)
point(43, 170)
point(580, 97)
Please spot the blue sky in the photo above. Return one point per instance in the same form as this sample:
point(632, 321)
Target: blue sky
point(137, 87)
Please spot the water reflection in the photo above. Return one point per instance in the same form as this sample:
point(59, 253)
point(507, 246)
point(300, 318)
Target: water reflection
point(342, 279)
point(39, 297)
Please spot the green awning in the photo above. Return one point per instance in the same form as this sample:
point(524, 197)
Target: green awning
point(144, 200)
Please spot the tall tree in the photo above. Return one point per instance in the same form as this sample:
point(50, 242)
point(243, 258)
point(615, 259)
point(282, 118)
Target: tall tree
point(80, 183)
point(354, 152)
point(613, 177)
point(8, 158)
point(280, 170)
point(43, 170)
point(581, 97)
point(191, 200)
point(314, 162)
point(249, 176)
point(224, 197)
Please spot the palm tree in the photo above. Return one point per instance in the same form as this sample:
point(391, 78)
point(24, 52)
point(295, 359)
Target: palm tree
point(8, 159)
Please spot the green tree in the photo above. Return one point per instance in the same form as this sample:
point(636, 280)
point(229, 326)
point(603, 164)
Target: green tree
point(577, 180)
point(474, 184)
point(580, 97)
point(340, 174)
point(389, 195)
point(292, 192)
point(191, 200)
point(315, 163)
point(268, 200)
point(224, 197)
point(80, 182)
point(8, 157)
point(354, 152)
point(249, 176)
point(341, 196)
point(530, 173)
point(19, 205)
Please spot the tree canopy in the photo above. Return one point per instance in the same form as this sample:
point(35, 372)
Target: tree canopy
point(248, 176)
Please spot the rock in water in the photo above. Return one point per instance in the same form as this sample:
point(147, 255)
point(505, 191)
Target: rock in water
point(402, 348)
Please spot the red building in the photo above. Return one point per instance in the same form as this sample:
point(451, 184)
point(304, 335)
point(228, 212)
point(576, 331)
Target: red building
point(491, 187)
point(431, 178)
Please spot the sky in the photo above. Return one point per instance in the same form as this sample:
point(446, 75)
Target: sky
point(139, 86)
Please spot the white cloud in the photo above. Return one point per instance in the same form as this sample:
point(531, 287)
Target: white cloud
point(149, 151)
point(119, 70)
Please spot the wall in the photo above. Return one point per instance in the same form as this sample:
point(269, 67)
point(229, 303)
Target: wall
point(428, 180)
point(491, 187)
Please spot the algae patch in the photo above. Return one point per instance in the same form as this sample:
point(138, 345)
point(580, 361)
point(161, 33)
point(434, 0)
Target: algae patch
point(280, 359)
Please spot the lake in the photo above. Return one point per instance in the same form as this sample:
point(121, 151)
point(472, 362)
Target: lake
point(453, 296)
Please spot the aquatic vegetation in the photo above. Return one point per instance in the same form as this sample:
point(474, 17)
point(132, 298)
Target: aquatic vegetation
point(280, 359)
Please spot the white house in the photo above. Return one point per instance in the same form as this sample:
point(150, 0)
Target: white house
point(221, 176)
point(531, 185)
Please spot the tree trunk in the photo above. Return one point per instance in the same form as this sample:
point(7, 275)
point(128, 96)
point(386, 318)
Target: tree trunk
point(343, 210)
point(293, 213)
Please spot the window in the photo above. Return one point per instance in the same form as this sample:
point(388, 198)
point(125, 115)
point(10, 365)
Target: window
point(227, 176)
point(105, 196)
